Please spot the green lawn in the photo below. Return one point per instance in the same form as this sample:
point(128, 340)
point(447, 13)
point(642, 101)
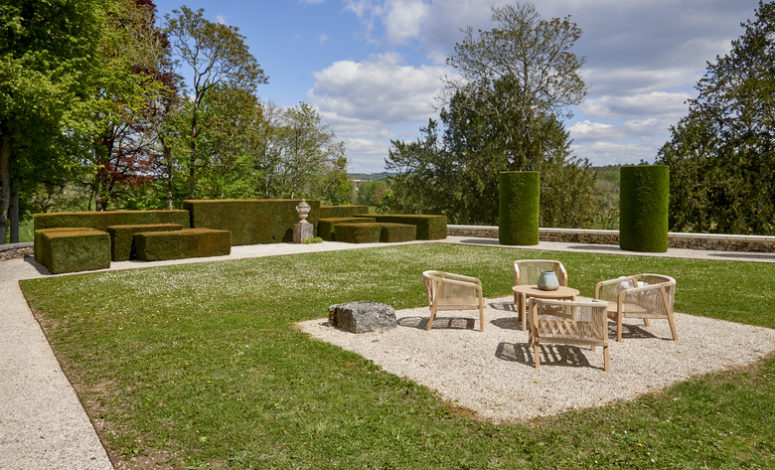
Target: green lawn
point(198, 366)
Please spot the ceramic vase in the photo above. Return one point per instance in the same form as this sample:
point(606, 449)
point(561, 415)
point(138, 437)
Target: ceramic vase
point(548, 281)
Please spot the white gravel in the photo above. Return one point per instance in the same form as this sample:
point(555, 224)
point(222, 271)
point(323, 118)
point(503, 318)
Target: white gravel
point(493, 373)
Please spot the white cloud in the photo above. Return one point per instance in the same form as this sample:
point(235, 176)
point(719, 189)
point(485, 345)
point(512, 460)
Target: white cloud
point(403, 19)
point(220, 19)
point(637, 105)
point(379, 89)
point(611, 153)
point(322, 39)
point(369, 103)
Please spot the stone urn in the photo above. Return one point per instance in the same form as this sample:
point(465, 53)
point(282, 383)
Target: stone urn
point(548, 281)
point(303, 230)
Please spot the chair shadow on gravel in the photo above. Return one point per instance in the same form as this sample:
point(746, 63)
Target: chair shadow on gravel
point(551, 354)
point(439, 323)
point(629, 331)
point(505, 323)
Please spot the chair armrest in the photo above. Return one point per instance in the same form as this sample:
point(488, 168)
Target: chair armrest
point(457, 282)
point(460, 277)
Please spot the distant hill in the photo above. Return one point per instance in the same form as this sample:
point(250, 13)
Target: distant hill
point(369, 176)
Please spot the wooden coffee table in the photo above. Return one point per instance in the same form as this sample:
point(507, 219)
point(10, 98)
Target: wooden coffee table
point(524, 291)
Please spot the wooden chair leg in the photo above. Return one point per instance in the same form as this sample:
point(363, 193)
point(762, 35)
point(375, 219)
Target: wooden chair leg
point(430, 320)
point(481, 319)
point(619, 327)
point(646, 321)
point(536, 357)
point(672, 327)
point(606, 359)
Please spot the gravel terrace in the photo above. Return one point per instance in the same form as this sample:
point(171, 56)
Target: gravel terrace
point(493, 373)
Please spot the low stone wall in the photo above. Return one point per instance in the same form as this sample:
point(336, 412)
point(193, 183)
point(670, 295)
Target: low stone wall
point(695, 241)
point(15, 250)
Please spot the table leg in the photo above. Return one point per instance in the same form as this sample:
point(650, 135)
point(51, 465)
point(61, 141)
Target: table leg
point(522, 313)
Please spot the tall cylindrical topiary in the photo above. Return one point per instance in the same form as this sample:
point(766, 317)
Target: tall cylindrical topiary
point(643, 199)
point(518, 208)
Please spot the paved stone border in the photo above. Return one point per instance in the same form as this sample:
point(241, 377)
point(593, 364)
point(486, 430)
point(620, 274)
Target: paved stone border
point(694, 241)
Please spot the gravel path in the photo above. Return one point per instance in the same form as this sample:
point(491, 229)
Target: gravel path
point(493, 373)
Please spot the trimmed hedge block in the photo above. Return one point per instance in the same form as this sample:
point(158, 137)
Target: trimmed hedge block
point(518, 207)
point(429, 227)
point(343, 211)
point(38, 240)
point(644, 195)
point(326, 225)
point(122, 237)
point(72, 249)
point(358, 232)
point(251, 221)
point(101, 220)
point(178, 244)
point(397, 232)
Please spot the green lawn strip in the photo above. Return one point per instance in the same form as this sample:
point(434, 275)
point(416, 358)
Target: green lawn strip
point(199, 366)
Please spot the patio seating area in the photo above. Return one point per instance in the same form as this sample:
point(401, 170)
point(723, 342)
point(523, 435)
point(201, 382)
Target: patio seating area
point(493, 374)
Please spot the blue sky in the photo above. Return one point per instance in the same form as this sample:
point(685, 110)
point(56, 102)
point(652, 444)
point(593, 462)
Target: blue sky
point(373, 68)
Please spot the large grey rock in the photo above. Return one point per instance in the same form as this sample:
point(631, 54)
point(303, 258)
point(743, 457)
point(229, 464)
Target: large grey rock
point(362, 317)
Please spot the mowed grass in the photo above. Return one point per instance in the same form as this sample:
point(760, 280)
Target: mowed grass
point(199, 366)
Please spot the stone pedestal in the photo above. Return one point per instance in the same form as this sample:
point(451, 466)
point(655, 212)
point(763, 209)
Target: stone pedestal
point(302, 231)
point(362, 317)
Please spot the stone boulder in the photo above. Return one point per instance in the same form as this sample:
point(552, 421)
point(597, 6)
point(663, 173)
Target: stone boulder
point(362, 317)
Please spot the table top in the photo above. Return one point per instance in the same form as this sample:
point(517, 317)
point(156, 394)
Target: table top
point(533, 291)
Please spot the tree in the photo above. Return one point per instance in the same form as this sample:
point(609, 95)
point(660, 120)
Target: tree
point(722, 154)
point(502, 114)
point(457, 174)
point(47, 52)
point(302, 158)
point(519, 74)
point(216, 55)
point(122, 148)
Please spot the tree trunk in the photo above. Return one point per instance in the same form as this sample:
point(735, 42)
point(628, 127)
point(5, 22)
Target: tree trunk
point(192, 160)
point(5, 181)
point(14, 209)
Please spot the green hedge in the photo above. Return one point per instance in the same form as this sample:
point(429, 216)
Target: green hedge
point(643, 201)
point(101, 220)
point(429, 227)
point(397, 232)
point(72, 249)
point(518, 207)
point(122, 236)
point(358, 232)
point(186, 243)
point(251, 221)
point(326, 225)
point(37, 247)
point(343, 211)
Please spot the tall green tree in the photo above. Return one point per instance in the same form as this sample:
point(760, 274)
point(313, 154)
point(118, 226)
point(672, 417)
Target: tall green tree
point(215, 55)
point(519, 73)
point(47, 51)
point(722, 154)
point(122, 149)
point(302, 157)
point(517, 81)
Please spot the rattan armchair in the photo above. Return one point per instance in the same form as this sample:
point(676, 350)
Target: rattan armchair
point(527, 271)
point(578, 323)
point(644, 296)
point(447, 291)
